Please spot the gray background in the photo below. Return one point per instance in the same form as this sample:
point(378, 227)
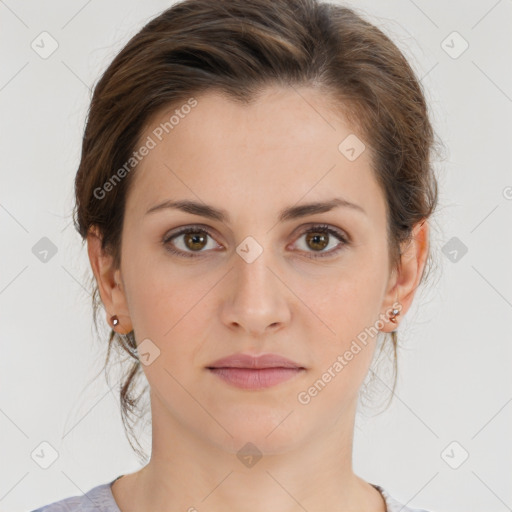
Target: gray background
point(455, 392)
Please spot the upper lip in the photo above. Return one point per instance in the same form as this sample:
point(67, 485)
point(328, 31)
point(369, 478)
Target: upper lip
point(256, 362)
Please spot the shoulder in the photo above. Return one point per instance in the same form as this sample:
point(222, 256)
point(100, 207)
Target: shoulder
point(97, 499)
point(394, 505)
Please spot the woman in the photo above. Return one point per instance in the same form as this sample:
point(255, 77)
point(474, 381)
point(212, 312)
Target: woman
point(254, 189)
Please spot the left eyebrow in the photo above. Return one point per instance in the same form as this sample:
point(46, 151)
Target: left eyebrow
point(290, 213)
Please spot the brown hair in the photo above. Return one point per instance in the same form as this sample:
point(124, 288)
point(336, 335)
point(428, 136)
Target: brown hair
point(239, 47)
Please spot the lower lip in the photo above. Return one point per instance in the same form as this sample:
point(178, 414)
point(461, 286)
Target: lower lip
point(260, 378)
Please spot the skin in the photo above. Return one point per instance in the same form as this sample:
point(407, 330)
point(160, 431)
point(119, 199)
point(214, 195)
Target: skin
point(253, 161)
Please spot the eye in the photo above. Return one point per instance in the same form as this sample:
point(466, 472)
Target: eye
point(319, 237)
point(194, 240)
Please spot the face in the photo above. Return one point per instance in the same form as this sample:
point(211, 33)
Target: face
point(305, 285)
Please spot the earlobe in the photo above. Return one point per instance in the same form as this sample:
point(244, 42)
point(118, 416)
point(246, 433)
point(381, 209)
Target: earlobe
point(391, 316)
point(409, 273)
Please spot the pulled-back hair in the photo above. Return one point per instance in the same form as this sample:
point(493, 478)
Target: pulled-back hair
point(239, 47)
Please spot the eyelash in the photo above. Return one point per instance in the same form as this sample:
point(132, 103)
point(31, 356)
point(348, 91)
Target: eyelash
point(320, 228)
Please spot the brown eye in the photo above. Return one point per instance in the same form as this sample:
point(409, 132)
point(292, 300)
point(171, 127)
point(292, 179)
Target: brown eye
point(188, 241)
point(318, 238)
point(195, 241)
point(317, 241)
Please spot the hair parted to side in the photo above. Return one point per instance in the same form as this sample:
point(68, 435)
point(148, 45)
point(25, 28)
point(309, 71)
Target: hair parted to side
point(240, 47)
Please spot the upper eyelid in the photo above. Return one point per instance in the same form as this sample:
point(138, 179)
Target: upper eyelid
point(183, 229)
point(203, 227)
point(343, 236)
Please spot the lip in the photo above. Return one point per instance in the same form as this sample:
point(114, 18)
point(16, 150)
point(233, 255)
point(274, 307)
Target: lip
point(254, 362)
point(255, 372)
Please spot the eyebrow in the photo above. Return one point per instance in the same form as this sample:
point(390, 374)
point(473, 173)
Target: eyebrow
point(290, 213)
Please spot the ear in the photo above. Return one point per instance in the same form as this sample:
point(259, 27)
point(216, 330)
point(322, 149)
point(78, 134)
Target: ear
point(408, 275)
point(110, 286)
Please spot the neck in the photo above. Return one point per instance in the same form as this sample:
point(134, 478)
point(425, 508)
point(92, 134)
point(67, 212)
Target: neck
point(188, 472)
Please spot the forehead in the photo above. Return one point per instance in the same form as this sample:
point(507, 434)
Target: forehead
point(281, 147)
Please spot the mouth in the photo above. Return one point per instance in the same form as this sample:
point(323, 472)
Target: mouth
point(255, 372)
point(255, 378)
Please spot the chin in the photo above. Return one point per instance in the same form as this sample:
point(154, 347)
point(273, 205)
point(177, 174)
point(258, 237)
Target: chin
point(270, 432)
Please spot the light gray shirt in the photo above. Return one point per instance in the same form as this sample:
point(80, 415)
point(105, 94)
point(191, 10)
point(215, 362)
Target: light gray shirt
point(101, 499)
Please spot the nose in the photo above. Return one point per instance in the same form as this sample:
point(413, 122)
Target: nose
point(256, 298)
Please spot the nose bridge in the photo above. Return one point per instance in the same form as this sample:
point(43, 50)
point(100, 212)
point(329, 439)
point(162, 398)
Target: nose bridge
point(255, 283)
point(256, 295)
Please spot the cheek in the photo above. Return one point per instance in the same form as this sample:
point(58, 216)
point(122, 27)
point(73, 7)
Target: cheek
point(158, 294)
point(345, 324)
point(339, 361)
point(347, 301)
point(169, 313)
point(165, 303)
point(168, 304)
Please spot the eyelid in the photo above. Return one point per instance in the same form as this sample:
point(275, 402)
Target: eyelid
point(183, 230)
point(341, 235)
